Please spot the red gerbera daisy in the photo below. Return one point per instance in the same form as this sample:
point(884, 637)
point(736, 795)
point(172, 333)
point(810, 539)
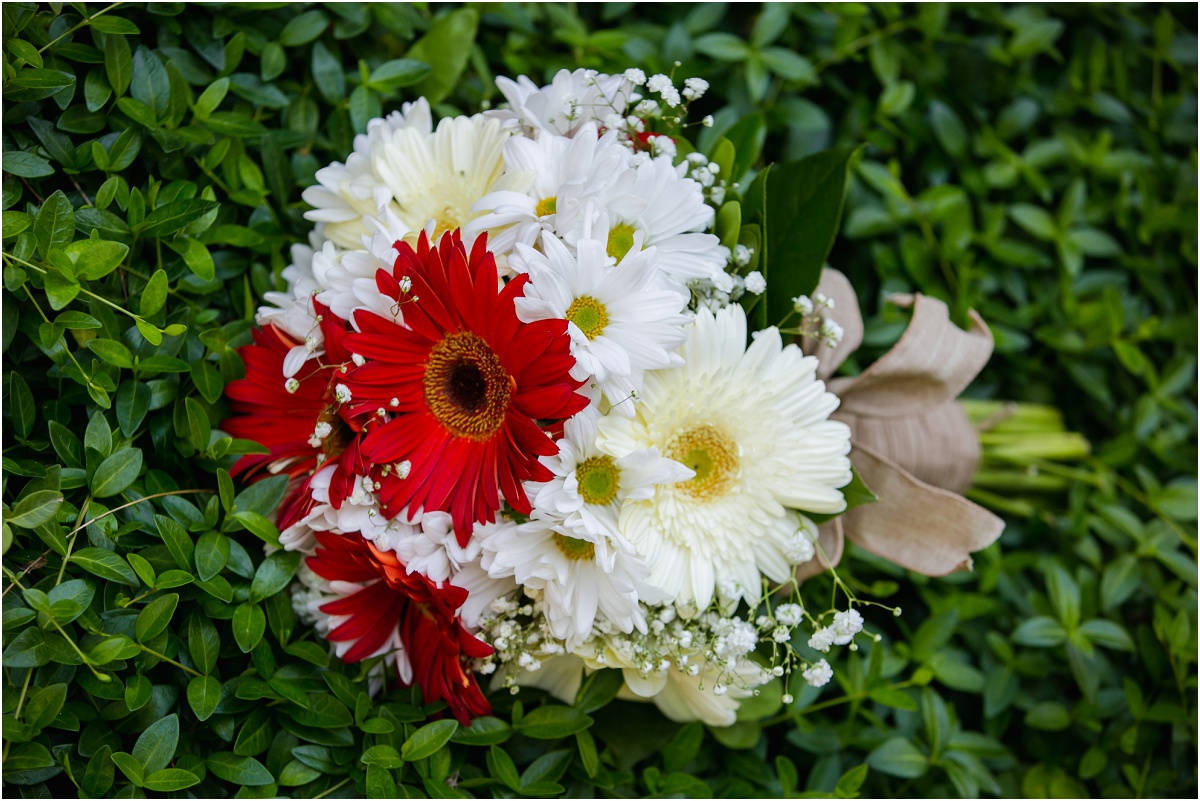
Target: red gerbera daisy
point(465, 382)
point(425, 616)
point(283, 414)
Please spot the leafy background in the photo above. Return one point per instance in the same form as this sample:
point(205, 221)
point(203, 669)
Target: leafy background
point(1036, 162)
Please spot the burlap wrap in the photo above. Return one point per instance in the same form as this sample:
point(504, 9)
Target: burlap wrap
point(912, 443)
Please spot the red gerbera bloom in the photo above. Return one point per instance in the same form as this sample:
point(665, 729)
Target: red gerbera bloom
point(282, 415)
point(434, 640)
point(466, 382)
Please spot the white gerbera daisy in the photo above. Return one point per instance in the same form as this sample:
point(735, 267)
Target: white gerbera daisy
point(346, 192)
point(620, 324)
point(673, 219)
point(569, 102)
point(579, 579)
point(589, 487)
point(753, 423)
point(567, 172)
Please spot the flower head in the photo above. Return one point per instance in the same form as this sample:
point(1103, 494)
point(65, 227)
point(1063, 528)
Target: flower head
point(470, 380)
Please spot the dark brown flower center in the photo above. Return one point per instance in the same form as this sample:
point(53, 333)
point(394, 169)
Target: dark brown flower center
point(466, 387)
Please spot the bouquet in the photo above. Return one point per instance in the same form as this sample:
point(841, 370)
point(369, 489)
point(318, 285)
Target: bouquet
point(536, 422)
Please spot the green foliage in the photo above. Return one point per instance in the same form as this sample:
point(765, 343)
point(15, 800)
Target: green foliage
point(1036, 163)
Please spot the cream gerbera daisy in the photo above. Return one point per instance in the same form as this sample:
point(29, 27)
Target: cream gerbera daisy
point(346, 192)
point(753, 423)
point(567, 173)
point(589, 487)
point(673, 219)
point(620, 323)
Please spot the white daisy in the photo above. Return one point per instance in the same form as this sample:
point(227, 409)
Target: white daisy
point(569, 102)
point(673, 219)
point(346, 192)
point(589, 487)
point(620, 324)
point(753, 425)
point(579, 579)
point(567, 173)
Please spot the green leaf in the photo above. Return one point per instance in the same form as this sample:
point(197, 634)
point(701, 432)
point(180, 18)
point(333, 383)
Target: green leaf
point(54, 225)
point(446, 47)
point(328, 74)
point(138, 691)
point(174, 216)
point(44, 706)
point(170, 780)
point(106, 565)
point(154, 295)
point(239, 769)
point(273, 574)
point(483, 731)
point(97, 257)
point(204, 643)
point(553, 721)
point(303, 28)
point(26, 165)
point(259, 526)
point(949, 129)
point(35, 509)
point(130, 767)
point(116, 473)
point(501, 767)
point(212, 552)
point(155, 617)
point(802, 206)
point(898, 757)
point(397, 73)
point(210, 99)
point(428, 739)
point(249, 624)
point(118, 63)
point(1048, 716)
point(203, 695)
point(155, 747)
point(111, 351)
point(1040, 632)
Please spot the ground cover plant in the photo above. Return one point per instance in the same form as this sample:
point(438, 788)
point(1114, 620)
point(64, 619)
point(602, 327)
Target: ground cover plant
point(1036, 163)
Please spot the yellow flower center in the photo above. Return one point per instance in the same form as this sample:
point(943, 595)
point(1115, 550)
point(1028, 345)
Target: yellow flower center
point(598, 480)
point(466, 387)
point(620, 240)
point(547, 206)
point(709, 452)
point(589, 315)
point(574, 548)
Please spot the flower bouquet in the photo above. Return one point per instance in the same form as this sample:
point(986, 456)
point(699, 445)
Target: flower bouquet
point(550, 388)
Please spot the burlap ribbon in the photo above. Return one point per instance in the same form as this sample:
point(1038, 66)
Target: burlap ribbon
point(912, 443)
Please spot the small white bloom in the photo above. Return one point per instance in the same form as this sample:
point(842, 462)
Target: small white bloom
point(635, 76)
point(694, 88)
point(707, 122)
point(646, 108)
point(658, 82)
point(342, 393)
point(755, 283)
point(741, 255)
point(291, 385)
point(781, 634)
point(831, 332)
point(846, 625)
point(818, 675)
point(405, 284)
point(789, 614)
point(358, 359)
point(803, 305)
point(822, 639)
